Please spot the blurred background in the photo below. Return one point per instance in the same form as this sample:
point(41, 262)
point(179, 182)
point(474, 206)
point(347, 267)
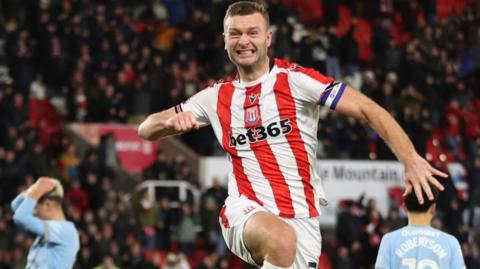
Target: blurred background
point(76, 78)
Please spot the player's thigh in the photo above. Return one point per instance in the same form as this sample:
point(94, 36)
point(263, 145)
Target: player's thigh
point(265, 233)
point(309, 242)
point(233, 217)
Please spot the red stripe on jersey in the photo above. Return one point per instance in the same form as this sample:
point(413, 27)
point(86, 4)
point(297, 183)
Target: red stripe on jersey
point(223, 217)
point(287, 110)
point(268, 163)
point(224, 104)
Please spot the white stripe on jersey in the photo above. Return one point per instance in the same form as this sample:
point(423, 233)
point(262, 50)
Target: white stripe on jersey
point(250, 164)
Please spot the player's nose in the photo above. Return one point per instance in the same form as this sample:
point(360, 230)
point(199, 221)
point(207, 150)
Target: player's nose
point(244, 40)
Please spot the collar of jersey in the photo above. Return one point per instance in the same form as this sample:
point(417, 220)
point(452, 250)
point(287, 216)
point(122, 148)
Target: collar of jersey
point(261, 79)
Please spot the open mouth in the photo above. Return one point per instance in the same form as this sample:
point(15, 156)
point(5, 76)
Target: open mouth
point(245, 52)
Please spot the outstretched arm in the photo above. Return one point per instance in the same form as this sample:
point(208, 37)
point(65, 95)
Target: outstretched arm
point(166, 123)
point(418, 172)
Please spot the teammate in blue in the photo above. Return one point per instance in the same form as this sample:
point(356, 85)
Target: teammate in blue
point(418, 245)
point(39, 211)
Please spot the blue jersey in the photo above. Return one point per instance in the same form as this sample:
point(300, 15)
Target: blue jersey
point(419, 247)
point(57, 241)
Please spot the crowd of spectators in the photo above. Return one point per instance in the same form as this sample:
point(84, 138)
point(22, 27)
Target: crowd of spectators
point(115, 61)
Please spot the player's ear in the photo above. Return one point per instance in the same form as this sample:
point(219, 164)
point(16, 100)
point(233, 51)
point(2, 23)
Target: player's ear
point(224, 41)
point(432, 209)
point(269, 37)
point(48, 204)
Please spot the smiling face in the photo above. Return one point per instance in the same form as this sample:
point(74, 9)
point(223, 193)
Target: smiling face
point(247, 39)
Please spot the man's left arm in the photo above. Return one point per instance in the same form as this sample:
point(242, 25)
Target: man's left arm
point(418, 172)
point(457, 256)
point(383, 255)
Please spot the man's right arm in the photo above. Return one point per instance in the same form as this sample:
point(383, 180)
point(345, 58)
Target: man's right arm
point(24, 217)
point(166, 123)
point(184, 117)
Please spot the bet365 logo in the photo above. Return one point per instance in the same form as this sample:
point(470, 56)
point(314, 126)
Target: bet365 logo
point(260, 133)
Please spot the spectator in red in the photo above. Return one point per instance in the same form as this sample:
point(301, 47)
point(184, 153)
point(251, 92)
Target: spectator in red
point(77, 197)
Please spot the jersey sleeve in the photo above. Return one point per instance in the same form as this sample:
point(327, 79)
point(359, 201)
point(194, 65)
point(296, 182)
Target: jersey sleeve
point(457, 257)
point(24, 217)
point(199, 104)
point(54, 232)
point(383, 256)
point(313, 87)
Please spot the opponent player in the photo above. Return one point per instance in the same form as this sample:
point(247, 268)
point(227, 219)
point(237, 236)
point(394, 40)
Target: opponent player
point(266, 120)
point(419, 245)
point(39, 211)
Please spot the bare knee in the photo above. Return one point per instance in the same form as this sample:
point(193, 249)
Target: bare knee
point(282, 246)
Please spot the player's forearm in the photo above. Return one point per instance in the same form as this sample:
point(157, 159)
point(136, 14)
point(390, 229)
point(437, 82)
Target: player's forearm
point(35, 192)
point(155, 126)
point(391, 132)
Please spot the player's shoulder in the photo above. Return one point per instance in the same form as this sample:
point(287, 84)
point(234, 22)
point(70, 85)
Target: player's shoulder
point(221, 82)
point(210, 87)
point(296, 70)
point(447, 236)
point(213, 86)
point(391, 235)
point(394, 236)
point(287, 65)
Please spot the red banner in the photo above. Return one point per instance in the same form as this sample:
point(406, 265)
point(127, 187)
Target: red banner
point(134, 152)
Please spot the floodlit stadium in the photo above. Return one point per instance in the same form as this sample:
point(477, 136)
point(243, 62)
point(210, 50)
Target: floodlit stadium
point(88, 88)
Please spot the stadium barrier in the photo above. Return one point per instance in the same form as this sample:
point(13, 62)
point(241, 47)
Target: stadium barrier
point(342, 180)
point(183, 188)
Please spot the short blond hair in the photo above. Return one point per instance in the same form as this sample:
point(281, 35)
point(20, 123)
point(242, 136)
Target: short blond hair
point(246, 8)
point(56, 194)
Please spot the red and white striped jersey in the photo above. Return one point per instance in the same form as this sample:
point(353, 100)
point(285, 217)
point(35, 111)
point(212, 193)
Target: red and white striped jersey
point(268, 128)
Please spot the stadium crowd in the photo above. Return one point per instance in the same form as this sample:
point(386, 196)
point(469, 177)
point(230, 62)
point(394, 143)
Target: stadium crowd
point(115, 61)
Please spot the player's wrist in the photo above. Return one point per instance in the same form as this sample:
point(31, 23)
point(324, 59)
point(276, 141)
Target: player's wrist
point(41, 187)
point(169, 122)
point(28, 191)
point(33, 192)
point(409, 159)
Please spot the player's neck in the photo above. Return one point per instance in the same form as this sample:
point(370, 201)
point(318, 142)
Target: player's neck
point(419, 219)
point(57, 215)
point(255, 72)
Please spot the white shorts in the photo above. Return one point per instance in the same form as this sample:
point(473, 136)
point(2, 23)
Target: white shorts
point(236, 212)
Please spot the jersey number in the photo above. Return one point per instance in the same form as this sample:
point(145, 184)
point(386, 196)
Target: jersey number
point(421, 264)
